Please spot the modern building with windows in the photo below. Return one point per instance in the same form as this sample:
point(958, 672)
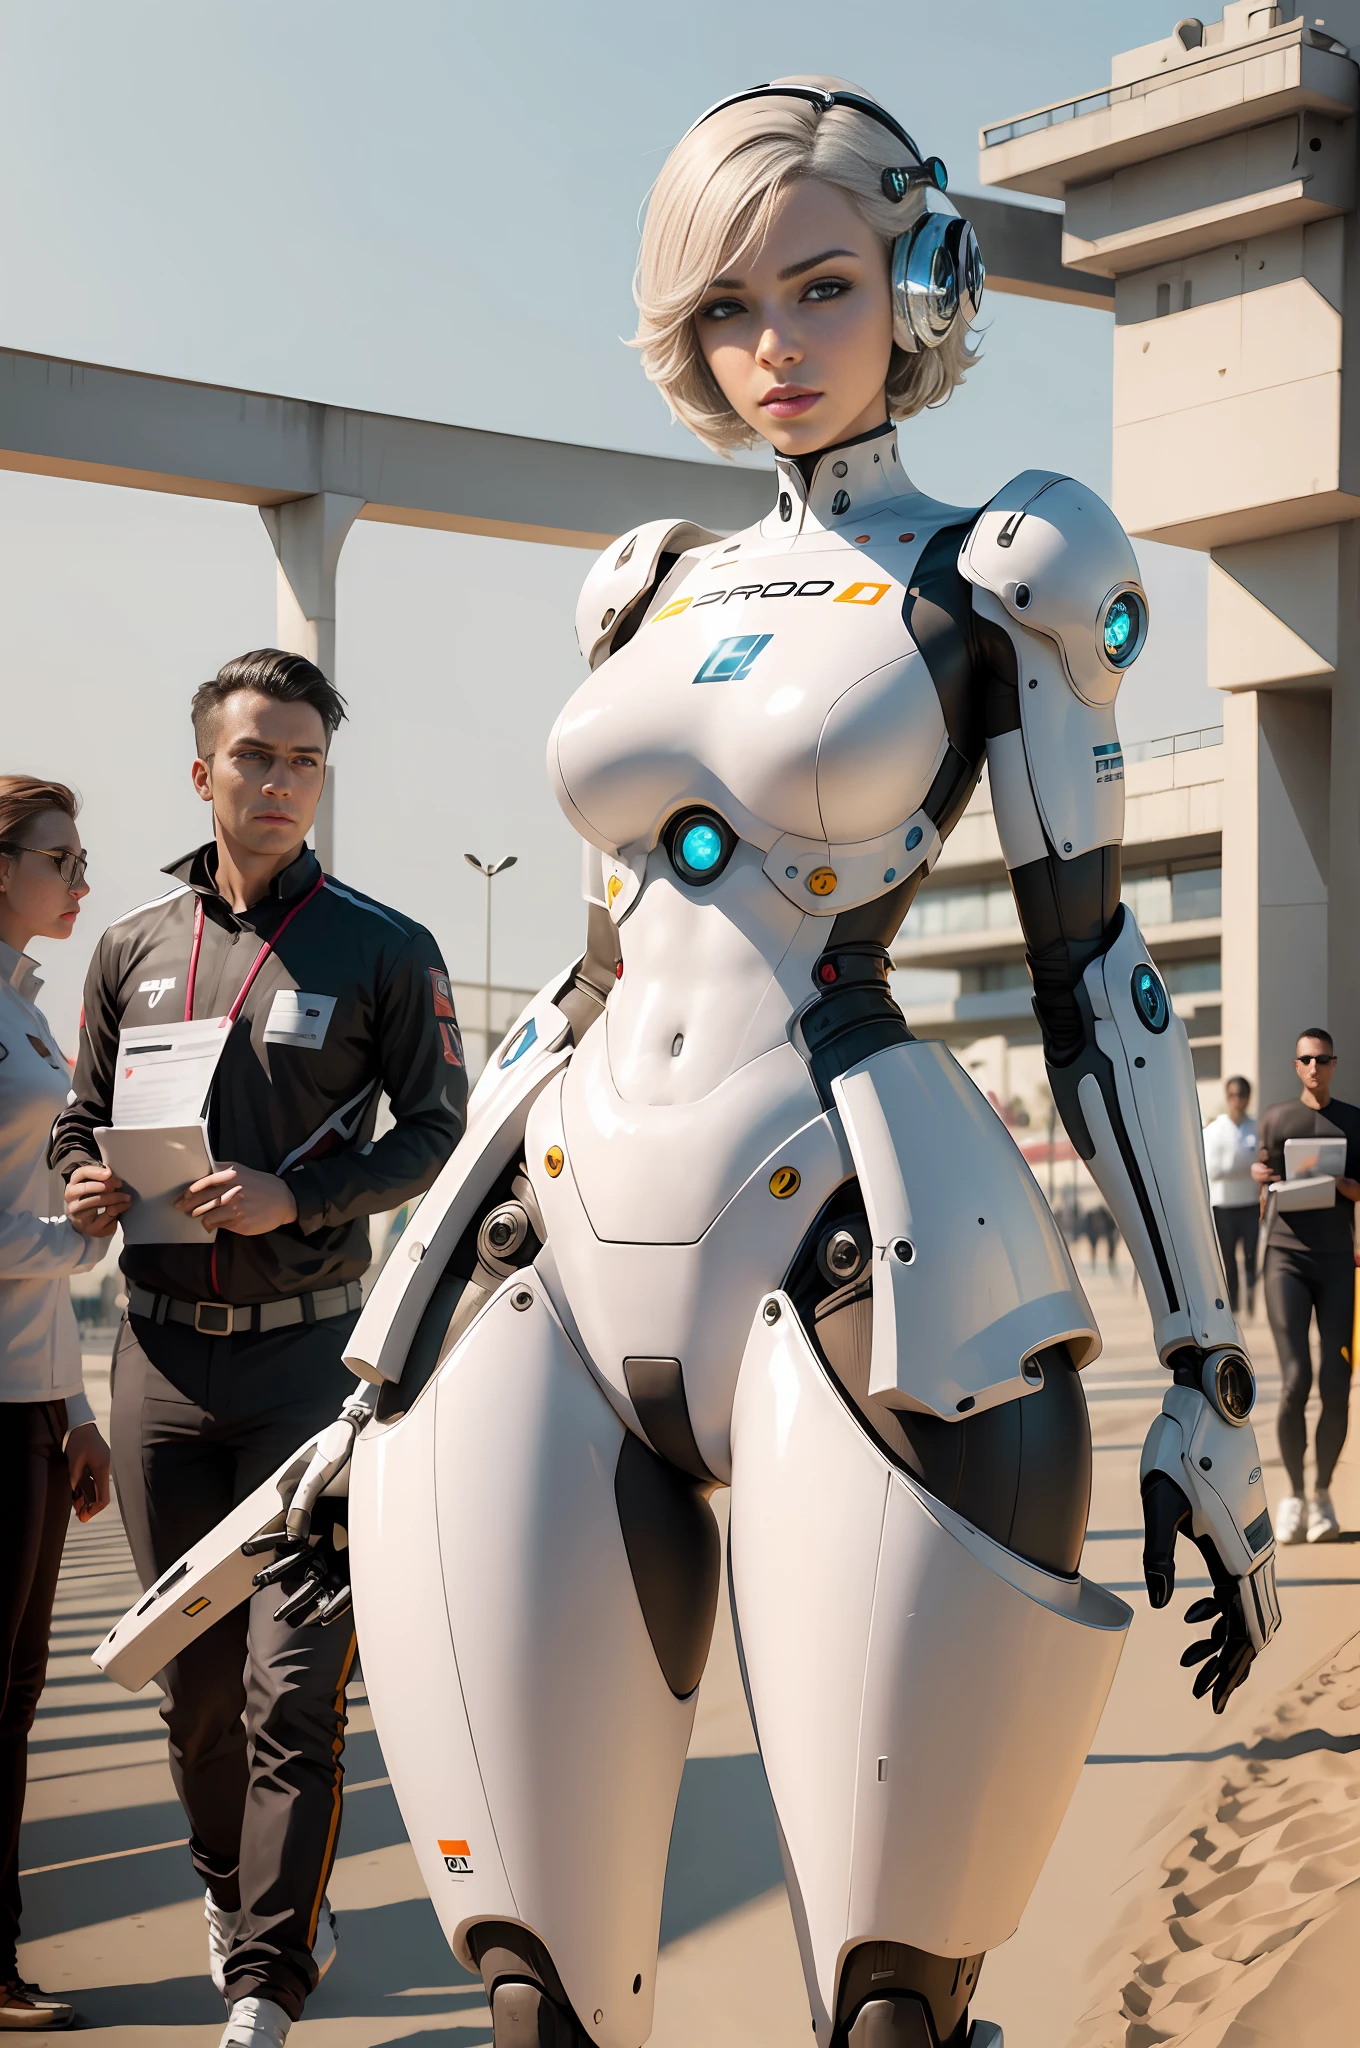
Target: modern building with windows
point(959, 965)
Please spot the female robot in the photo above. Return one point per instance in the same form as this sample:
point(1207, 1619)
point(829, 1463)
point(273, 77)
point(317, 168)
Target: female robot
point(719, 1220)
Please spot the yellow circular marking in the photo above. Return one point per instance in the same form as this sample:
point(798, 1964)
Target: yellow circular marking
point(552, 1160)
point(612, 889)
point(822, 881)
point(784, 1181)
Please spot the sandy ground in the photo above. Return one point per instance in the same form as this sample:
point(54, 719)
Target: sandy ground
point(1202, 1890)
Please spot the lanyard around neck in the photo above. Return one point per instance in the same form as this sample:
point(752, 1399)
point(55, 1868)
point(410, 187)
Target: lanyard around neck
point(260, 958)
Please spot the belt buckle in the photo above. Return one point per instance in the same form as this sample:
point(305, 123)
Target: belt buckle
point(213, 1308)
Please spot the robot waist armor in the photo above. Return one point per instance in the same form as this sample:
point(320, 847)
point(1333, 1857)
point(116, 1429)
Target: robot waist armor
point(750, 1177)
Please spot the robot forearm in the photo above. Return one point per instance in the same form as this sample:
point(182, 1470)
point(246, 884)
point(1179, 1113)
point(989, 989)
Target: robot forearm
point(1127, 1099)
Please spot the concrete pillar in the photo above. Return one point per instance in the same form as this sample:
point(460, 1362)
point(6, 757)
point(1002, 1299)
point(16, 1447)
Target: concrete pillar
point(1276, 861)
point(308, 534)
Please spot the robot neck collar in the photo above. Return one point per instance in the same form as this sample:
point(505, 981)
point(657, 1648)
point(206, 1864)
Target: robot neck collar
point(837, 486)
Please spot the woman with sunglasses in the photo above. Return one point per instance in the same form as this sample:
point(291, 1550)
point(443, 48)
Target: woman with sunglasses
point(51, 1453)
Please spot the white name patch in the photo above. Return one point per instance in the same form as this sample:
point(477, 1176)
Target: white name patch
point(295, 1018)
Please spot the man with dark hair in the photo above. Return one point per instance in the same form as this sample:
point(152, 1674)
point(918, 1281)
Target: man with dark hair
point(1310, 1271)
point(1230, 1143)
point(231, 1352)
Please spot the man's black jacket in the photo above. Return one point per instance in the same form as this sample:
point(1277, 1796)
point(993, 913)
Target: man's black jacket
point(305, 1114)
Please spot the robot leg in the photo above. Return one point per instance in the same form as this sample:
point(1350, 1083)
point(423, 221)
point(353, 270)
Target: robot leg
point(533, 1591)
point(924, 1699)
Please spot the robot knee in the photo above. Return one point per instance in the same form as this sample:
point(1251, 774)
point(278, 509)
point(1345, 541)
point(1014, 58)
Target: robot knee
point(895, 1996)
point(529, 2007)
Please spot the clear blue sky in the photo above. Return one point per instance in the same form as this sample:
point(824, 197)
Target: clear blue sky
point(431, 208)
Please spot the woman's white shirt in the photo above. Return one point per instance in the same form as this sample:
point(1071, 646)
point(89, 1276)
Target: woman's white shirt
point(39, 1343)
point(1229, 1150)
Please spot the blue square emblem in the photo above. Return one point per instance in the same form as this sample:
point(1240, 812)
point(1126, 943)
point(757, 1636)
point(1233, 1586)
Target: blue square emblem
point(732, 659)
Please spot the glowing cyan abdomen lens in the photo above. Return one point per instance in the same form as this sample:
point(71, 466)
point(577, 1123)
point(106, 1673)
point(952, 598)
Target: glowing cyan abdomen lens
point(1122, 631)
point(701, 848)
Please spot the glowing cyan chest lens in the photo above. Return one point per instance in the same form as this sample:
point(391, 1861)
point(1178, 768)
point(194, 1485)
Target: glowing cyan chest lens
point(701, 848)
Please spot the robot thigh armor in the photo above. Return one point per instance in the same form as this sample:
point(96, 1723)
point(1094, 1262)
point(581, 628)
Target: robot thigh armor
point(924, 1698)
point(534, 1591)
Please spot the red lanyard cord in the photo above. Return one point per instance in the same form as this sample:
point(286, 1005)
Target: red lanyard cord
point(260, 958)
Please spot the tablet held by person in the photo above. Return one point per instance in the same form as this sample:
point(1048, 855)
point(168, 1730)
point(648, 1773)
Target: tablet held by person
point(317, 1001)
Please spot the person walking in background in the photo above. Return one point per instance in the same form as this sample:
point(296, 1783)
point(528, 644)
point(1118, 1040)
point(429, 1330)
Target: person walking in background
point(1310, 1271)
point(1230, 1145)
point(51, 1453)
point(232, 1351)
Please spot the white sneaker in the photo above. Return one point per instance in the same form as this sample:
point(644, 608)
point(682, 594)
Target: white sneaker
point(255, 2023)
point(1289, 1521)
point(327, 1935)
point(1322, 1522)
point(222, 1928)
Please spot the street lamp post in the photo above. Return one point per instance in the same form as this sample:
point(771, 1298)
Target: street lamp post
point(489, 869)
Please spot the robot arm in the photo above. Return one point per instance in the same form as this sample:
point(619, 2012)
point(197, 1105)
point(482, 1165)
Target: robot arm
point(1060, 615)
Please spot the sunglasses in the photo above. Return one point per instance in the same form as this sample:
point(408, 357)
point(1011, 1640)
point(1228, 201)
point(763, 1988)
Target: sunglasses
point(1315, 1059)
point(70, 866)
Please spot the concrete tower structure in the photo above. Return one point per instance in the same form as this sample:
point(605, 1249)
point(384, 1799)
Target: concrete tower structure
point(1214, 181)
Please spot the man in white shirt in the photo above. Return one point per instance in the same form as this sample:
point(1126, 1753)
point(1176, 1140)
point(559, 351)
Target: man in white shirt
point(1230, 1144)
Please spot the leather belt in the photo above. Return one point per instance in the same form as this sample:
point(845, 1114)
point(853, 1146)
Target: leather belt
point(223, 1319)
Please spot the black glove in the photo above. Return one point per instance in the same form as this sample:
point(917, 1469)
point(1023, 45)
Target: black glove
point(313, 1573)
point(1227, 1653)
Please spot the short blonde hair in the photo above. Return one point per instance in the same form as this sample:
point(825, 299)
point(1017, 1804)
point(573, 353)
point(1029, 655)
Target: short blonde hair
point(715, 198)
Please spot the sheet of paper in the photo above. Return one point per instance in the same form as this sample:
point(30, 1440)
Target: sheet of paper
point(165, 1072)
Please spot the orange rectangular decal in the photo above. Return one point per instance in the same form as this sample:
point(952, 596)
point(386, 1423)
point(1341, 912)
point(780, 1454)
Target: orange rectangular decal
point(862, 593)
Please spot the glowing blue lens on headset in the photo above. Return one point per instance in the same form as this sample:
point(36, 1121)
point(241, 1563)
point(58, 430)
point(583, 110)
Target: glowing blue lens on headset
point(701, 848)
point(1122, 632)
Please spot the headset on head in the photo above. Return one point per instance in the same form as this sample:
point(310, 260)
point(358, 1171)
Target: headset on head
point(937, 270)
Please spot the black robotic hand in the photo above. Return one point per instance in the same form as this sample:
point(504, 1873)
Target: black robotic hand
point(1201, 1477)
point(1226, 1655)
point(313, 1571)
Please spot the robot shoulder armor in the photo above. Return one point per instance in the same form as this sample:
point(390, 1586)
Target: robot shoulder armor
point(1056, 560)
point(624, 577)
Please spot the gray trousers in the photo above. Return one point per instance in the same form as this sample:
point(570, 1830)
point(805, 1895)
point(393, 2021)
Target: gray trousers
point(255, 1710)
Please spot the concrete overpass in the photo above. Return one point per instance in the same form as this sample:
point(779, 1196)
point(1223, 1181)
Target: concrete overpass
point(313, 469)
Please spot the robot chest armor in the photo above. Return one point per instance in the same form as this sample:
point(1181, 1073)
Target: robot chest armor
point(777, 682)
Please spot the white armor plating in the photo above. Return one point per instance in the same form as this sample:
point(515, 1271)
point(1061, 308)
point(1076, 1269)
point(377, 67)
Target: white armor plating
point(867, 1776)
point(1155, 1082)
point(514, 1682)
point(957, 1317)
point(772, 693)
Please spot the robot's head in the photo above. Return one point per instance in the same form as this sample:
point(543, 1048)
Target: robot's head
point(715, 198)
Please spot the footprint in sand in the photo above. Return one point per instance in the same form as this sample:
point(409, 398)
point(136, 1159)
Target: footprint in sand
point(1269, 1865)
